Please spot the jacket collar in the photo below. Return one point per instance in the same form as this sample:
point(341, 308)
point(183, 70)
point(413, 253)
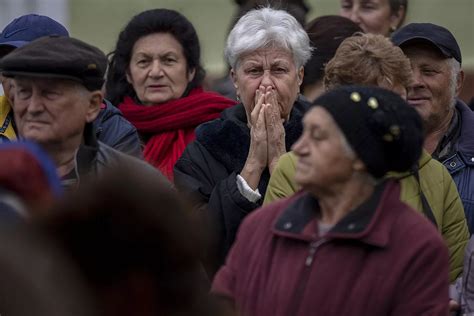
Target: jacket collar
point(299, 219)
point(465, 143)
point(87, 152)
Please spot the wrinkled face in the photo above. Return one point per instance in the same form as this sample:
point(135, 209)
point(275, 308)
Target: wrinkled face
point(373, 16)
point(268, 67)
point(323, 158)
point(431, 93)
point(158, 69)
point(53, 111)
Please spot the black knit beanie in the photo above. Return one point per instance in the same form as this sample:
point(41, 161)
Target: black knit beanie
point(384, 131)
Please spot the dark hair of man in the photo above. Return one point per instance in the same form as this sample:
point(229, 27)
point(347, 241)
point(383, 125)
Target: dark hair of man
point(143, 24)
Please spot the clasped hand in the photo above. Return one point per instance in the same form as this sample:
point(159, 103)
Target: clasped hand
point(267, 136)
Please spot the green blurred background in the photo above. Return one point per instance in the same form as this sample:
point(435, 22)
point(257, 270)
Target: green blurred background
point(100, 21)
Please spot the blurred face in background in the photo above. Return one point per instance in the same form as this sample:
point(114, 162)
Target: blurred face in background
point(373, 16)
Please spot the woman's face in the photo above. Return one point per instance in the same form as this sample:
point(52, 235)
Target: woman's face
point(373, 16)
point(158, 69)
point(324, 160)
point(268, 67)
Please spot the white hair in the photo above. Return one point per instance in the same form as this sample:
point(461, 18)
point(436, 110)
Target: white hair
point(268, 28)
point(455, 73)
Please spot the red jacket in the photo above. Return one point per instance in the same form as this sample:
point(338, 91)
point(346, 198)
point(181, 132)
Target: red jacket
point(381, 259)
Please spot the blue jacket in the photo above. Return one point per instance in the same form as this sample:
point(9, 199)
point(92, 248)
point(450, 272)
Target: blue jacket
point(115, 131)
point(461, 164)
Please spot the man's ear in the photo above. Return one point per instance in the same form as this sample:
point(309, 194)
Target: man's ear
point(95, 102)
point(459, 82)
point(358, 165)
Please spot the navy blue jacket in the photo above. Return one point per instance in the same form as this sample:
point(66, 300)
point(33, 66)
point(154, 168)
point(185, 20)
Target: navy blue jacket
point(115, 131)
point(461, 164)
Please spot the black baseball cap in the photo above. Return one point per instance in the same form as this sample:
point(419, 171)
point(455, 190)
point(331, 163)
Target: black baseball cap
point(58, 57)
point(434, 34)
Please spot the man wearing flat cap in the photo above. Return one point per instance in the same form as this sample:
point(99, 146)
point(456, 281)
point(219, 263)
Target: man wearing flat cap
point(449, 123)
point(110, 126)
point(57, 96)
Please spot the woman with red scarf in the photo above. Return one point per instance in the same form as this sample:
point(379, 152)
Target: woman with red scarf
point(155, 78)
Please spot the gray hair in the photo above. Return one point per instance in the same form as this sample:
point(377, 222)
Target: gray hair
point(455, 72)
point(266, 28)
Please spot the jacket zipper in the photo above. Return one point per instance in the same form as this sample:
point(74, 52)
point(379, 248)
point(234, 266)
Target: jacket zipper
point(303, 281)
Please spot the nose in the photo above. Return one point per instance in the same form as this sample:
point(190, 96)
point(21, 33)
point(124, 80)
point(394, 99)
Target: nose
point(267, 80)
point(35, 104)
point(418, 81)
point(354, 15)
point(156, 69)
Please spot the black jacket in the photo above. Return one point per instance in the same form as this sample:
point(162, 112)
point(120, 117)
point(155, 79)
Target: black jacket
point(93, 157)
point(206, 173)
point(115, 131)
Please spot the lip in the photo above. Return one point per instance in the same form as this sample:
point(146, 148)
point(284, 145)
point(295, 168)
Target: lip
point(156, 86)
point(417, 100)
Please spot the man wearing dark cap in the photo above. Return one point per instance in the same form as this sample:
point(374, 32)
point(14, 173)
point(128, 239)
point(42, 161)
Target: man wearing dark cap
point(449, 124)
point(57, 96)
point(110, 126)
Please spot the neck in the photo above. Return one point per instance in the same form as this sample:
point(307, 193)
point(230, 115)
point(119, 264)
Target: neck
point(434, 135)
point(313, 91)
point(63, 156)
point(337, 204)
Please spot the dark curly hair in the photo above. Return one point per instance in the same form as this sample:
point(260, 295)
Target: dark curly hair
point(143, 24)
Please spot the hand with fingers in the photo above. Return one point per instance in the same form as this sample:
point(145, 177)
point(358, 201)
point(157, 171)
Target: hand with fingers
point(257, 157)
point(275, 129)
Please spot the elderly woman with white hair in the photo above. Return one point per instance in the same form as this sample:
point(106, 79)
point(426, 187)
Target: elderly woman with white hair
point(225, 171)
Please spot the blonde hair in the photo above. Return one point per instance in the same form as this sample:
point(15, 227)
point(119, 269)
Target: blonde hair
point(368, 59)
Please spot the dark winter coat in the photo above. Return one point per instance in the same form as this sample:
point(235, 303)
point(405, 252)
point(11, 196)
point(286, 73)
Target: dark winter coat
point(383, 258)
point(461, 163)
point(206, 172)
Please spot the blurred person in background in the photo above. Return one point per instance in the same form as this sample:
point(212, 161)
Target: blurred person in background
point(325, 34)
point(28, 180)
point(346, 245)
point(155, 77)
point(130, 237)
point(375, 16)
point(57, 95)
point(37, 278)
point(110, 126)
point(225, 171)
point(373, 60)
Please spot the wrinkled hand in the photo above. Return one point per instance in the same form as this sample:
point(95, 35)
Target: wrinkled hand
point(275, 129)
point(257, 157)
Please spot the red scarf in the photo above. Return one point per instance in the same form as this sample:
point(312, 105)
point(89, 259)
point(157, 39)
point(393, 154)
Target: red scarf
point(172, 124)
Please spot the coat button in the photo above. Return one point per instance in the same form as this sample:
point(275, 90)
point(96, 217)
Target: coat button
point(288, 225)
point(472, 159)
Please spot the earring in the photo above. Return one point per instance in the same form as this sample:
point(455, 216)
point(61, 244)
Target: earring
point(393, 29)
point(238, 98)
